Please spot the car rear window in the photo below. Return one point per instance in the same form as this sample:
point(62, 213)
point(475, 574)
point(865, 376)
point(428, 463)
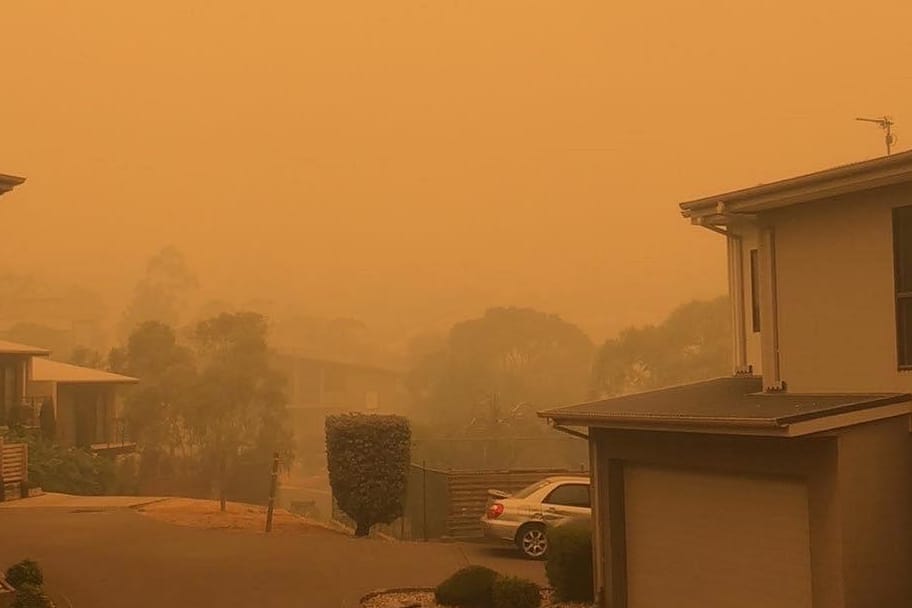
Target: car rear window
point(569, 495)
point(530, 490)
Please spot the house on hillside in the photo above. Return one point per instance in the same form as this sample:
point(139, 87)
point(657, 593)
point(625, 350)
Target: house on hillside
point(77, 406)
point(319, 387)
point(788, 483)
point(87, 404)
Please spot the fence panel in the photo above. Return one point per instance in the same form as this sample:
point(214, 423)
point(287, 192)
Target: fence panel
point(13, 462)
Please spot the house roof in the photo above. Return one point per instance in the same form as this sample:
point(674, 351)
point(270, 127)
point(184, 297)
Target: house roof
point(732, 405)
point(354, 365)
point(8, 182)
point(14, 348)
point(45, 370)
point(829, 183)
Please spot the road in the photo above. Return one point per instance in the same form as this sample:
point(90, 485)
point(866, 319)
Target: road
point(98, 556)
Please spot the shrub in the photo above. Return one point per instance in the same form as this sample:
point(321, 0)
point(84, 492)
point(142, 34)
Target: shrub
point(569, 561)
point(48, 420)
point(472, 586)
point(26, 572)
point(368, 459)
point(31, 596)
point(514, 592)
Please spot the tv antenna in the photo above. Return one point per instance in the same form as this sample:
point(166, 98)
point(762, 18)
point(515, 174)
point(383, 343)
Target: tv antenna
point(886, 123)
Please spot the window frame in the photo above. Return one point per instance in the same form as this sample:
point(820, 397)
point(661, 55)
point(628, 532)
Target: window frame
point(903, 325)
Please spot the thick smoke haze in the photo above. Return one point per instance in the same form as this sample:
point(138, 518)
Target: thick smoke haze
point(411, 163)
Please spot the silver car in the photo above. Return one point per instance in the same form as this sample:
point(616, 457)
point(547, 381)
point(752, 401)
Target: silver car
point(522, 518)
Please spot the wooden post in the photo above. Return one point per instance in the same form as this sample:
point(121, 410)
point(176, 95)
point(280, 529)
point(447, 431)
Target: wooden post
point(424, 499)
point(272, 490)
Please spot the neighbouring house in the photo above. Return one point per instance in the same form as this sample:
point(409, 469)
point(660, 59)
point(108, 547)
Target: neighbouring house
point(315, 383)
point(319, 387)
point(87, 404)
point(789, 483)
point(77, 406)
point(14, 376)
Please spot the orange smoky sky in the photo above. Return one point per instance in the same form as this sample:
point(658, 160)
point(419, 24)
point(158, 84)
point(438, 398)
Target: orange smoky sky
point(410, 163)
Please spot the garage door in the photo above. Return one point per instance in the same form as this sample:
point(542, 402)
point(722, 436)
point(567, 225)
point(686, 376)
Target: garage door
point(698, 540)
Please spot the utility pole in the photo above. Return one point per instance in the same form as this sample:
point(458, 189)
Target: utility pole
point(885, 123)
point(272, 491)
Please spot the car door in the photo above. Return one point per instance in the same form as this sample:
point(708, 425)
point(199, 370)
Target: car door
point(566, 502)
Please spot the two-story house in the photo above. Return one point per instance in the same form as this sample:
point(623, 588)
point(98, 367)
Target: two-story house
point(789, 483)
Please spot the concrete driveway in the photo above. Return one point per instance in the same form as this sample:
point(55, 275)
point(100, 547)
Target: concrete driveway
point(99, 553)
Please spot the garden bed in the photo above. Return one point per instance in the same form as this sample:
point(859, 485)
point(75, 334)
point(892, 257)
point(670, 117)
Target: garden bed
point(237, 517)
point(424, 598)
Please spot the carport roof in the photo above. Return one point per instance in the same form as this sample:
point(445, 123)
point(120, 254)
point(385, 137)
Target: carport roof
point(732, 405)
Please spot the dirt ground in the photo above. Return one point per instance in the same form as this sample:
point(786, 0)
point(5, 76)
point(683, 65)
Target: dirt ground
point(238, 516)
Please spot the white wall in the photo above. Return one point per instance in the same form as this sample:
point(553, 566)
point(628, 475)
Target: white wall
point(836, 295)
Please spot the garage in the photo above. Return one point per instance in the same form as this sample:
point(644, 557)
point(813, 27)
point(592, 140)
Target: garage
point(716, 494)
point(706, 540)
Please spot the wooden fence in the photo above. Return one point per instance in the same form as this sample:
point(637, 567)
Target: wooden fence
point(450, 504)
point(13, 468)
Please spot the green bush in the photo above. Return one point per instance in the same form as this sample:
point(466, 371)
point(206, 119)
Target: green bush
point(569, 561)
point(48, 420)
point(26, 572)
point(69, 470)
point(368, 460)
point(471, 587)
point(31, 596)
point(514, 592)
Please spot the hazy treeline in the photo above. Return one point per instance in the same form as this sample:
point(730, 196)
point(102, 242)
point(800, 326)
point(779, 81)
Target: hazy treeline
point(209, 401)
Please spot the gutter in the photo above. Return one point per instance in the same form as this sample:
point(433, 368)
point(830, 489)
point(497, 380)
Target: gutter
point(882, 171)
point(569, 431)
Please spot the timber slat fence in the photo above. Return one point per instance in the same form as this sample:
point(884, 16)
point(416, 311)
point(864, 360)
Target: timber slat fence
point(13, 467)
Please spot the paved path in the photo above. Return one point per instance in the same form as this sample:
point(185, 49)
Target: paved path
point(99, 554)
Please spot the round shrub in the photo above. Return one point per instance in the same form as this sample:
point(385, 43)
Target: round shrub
point(515, 592)
point(31, 596)
point(569, 561)
point(26, 572)
point(471, 587)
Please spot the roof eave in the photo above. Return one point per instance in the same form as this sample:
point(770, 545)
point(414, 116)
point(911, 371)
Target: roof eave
point(115, 381)
point(8, 182)
point(745, 426)
point(880, 172)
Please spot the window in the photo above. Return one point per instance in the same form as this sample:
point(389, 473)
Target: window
point(902, 273)
point(569, 495)
point(532, 489)
point(755, 288)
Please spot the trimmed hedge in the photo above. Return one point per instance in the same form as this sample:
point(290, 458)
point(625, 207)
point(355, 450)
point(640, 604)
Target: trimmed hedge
point(31, 596)
point(569, 561)
point(368, 460)
point(515, 592)
point(26, 572)
point(472, 586)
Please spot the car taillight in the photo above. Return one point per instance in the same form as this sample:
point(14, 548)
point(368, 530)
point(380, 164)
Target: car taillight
point(495, 510)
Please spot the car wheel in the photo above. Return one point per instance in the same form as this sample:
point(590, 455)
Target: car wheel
point(532, 541)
